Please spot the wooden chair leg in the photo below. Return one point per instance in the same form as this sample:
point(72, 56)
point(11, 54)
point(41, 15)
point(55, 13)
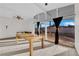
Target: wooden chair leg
point(16, 40)
point(42, 43)
point(31, 47)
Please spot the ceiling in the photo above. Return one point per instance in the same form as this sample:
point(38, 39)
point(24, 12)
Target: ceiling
point(27, 10)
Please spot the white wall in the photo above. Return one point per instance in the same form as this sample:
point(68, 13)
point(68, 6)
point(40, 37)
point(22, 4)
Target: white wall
point(14, 26)
point(27, 11)
point(77, 27)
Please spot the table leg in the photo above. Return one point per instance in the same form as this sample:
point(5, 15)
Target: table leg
point(16, 39)
point(31, 47)
point(42, 43)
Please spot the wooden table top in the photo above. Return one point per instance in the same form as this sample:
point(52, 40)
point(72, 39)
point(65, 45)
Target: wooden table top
point(28, 36)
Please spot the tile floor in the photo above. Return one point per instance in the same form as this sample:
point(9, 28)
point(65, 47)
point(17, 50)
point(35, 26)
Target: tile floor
point(11, 48)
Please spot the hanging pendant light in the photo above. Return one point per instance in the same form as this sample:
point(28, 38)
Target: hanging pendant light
point(57, 22)
point(38, 24)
